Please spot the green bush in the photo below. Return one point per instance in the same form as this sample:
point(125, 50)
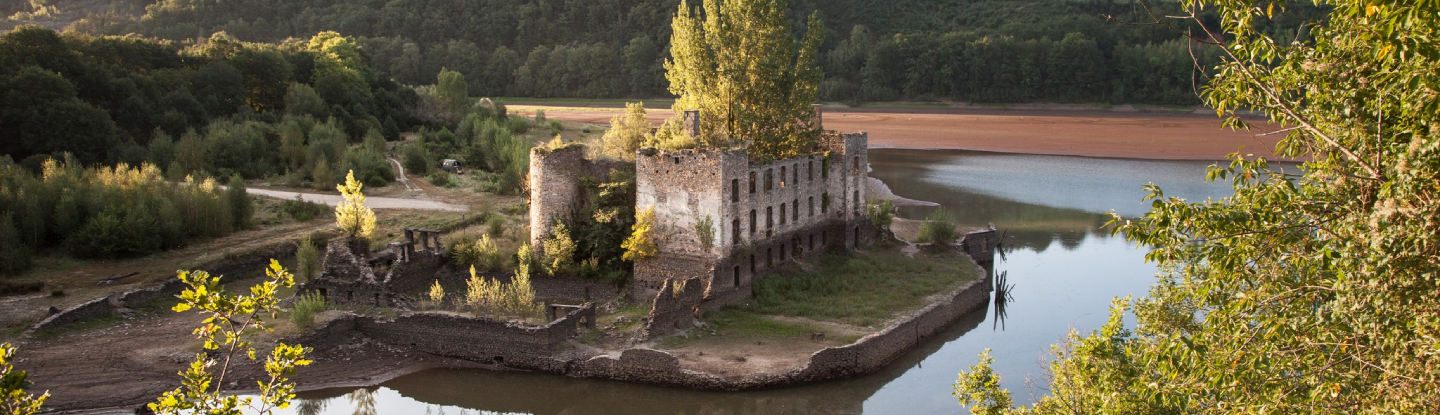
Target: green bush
point(483, 253)
point(303, 210)
point(416, 159)
point(494, 225)
point(307, 260)
point(441, 179)
point(938, 228)
point(303, 312)
point(14, 254)
point(369, 166)
point(241, 207)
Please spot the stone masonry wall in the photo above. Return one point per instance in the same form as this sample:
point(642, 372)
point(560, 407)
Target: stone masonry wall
point(674, 307)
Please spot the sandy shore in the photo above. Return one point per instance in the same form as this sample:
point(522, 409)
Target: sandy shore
point(1174, 136)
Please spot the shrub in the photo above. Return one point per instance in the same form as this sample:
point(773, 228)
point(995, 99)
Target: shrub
point(881, 213)
point(437, 295)
point(307, 260)
point(441, 179)
point(241, 206)
point(416, 159)
point(559, 255)
point(705, 231)
point(495, 225)
point(14, 254)
point(302, 210)
point(303, 312)
point(482, 253)
point(938, 228)
point(641, 244)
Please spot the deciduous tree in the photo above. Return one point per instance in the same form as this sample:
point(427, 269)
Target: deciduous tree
point(753, 83)
point(1307, 291)
point(351, 215)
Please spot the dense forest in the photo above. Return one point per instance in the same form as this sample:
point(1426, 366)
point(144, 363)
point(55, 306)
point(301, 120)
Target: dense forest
point(968, 50)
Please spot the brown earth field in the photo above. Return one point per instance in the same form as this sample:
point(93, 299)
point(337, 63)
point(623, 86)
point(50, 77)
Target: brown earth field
point(1092, 133)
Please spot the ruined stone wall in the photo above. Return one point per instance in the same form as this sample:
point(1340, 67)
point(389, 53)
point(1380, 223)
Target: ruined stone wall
point(482, 340)
point(653, 273)
point(681, 187)
point(93, 309)
point(539, 348)
point(674, 307)
point(872, 352)
point(764, 213)
point(416, 274)
point(980, 246)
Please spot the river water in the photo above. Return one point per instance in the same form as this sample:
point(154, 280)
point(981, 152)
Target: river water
point(1065, 270)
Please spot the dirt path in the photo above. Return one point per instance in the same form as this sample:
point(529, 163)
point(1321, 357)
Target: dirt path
point(372, 202)
point(1177, 136)
point(400, 174)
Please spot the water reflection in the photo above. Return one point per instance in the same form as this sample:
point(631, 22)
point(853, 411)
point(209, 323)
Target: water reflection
point(1040, 201)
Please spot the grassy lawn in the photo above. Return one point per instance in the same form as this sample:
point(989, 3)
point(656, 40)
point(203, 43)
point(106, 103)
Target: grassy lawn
point(862, 288)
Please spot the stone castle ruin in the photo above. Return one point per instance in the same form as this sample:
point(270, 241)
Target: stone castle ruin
point(760, 214)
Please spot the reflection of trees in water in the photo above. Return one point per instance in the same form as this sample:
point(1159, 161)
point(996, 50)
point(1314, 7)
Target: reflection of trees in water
point(311, 406)
point(363, 400)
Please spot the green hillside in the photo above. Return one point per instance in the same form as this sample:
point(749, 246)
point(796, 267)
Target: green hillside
point(965, 50)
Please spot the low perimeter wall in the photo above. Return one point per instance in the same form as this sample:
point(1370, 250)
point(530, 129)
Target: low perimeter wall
point(539, 348)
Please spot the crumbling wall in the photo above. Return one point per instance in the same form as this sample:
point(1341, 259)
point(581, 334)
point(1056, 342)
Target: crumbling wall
point(675, 307)
point(651, 274)
point(873, 352)
point(97, 308)
point(980, 246)
point(556, 177)
point(510, 344)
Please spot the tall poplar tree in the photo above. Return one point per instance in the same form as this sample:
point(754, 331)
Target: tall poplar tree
point(752, 82)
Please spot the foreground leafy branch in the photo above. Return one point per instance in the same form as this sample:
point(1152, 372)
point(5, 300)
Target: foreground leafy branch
point(1301, 293)
point(230, 320)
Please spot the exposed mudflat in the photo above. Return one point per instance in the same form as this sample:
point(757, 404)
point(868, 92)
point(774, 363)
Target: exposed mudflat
point(1092, 133)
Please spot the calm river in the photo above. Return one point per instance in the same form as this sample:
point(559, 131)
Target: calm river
point(1064, 268)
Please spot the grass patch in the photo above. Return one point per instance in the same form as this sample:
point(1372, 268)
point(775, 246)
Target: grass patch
point(740, 323)
point(862, 288)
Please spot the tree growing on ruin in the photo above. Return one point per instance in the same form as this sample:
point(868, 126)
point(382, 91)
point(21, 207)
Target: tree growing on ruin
point(641, 243)
point(627, 133)
point(351, 215)
point(1306, 291)
point(226, 332)
point(738, 63)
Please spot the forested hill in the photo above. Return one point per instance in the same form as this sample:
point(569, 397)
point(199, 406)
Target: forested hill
point(967, 50)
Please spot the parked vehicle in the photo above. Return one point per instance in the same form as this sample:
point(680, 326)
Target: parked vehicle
point(451, 165)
